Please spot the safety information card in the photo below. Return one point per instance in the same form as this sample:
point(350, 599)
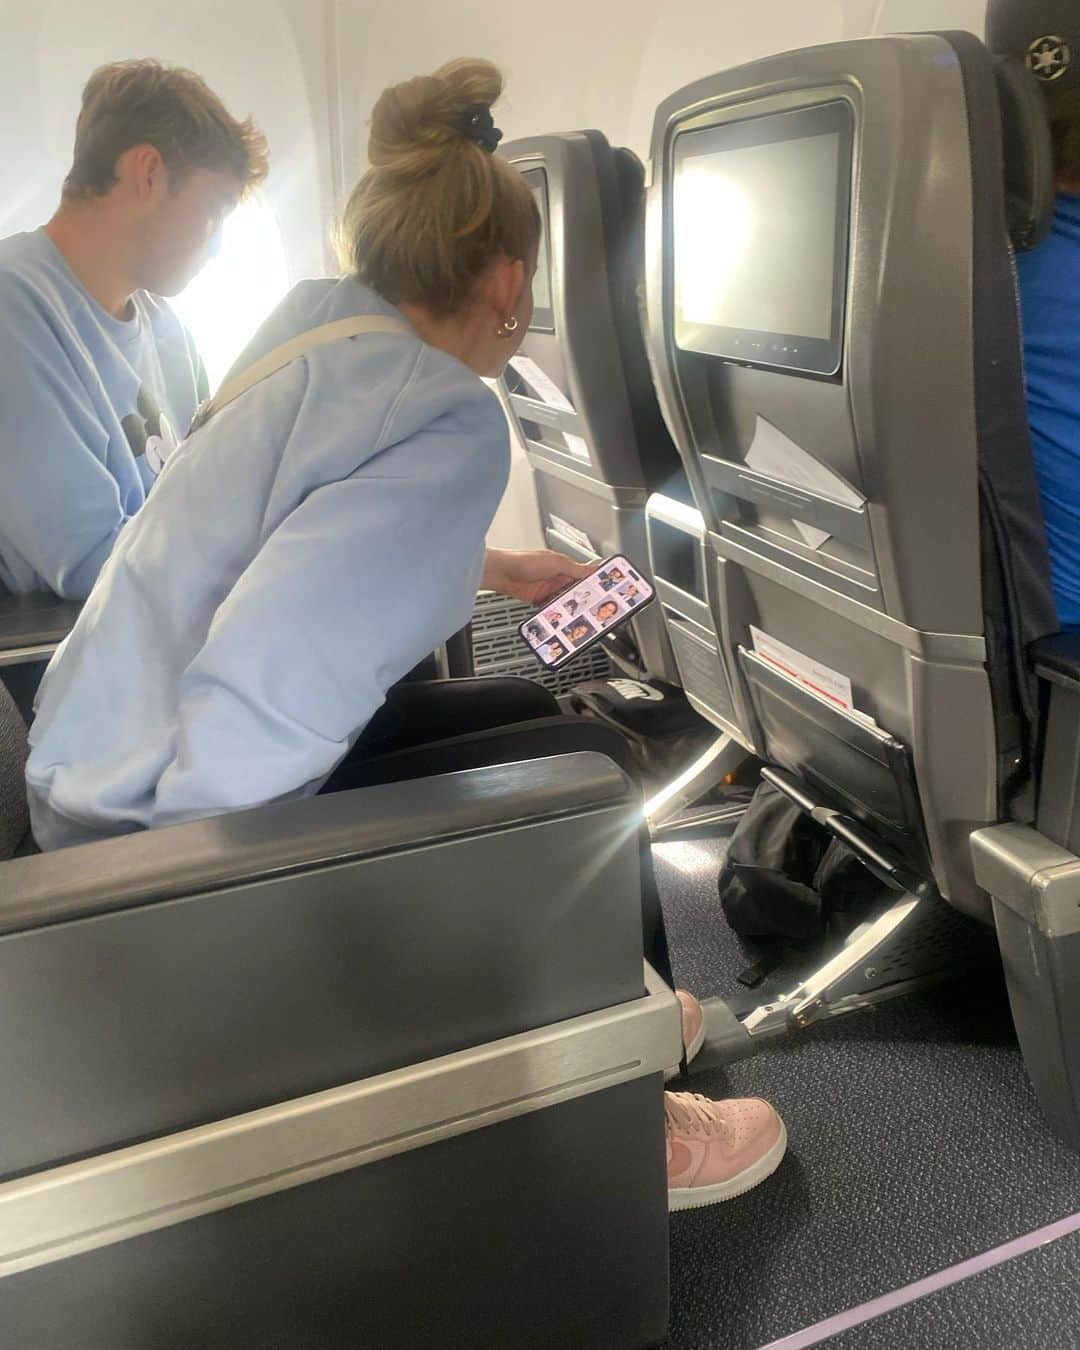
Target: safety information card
point(827, 684)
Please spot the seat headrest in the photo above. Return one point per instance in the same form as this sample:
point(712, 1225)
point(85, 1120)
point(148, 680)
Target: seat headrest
point(1028, 153)
point(1044, 34)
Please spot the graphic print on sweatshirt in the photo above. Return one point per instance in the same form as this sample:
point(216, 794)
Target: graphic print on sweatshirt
point(149, 432)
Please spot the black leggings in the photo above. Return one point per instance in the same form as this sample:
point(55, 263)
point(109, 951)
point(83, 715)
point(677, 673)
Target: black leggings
point(443, 726)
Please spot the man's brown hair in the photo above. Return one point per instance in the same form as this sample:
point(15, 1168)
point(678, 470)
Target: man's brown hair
point(133, 103)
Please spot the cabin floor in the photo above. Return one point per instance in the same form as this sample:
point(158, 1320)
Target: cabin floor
point(915, 1144)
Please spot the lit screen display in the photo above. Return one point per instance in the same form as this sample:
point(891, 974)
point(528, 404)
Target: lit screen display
point(543, 310)
point(759, 238)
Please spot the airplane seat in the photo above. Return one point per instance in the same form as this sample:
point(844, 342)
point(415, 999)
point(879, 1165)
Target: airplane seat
point(579, 391)
point(31, 628)
point(673, 524)
point(834, 327)
point(840, 469)
point(266, 1086)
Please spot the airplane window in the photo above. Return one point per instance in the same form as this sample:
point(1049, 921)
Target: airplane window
point(237, 288)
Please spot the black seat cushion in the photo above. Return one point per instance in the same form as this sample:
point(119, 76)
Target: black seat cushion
point(14, 816)
point(1057, 659)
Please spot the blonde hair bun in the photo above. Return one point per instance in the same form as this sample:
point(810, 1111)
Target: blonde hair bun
point(414, 123)
point(436, 207)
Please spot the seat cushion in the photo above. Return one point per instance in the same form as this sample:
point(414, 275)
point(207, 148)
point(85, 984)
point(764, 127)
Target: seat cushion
point(14, 815)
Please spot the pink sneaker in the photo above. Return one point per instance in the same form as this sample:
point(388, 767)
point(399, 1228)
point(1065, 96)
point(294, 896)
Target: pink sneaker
point(693, 1030)
point(718, 1150)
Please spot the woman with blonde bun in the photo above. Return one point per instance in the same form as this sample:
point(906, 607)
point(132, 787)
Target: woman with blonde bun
point(321, 530)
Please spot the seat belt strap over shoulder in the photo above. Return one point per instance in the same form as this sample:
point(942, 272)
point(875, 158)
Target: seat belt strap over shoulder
point(289, 351)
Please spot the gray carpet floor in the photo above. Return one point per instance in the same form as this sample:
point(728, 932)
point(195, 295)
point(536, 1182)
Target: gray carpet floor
point(915, 1142)
point(1032, 1302)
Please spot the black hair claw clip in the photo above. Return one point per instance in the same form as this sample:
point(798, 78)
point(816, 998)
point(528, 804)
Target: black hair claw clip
point(477, 124)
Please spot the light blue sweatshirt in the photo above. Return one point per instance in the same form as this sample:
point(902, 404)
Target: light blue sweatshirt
point(81, 393)
point(298, 556)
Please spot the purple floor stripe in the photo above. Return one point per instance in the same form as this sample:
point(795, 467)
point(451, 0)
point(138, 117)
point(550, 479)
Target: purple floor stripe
point(910, 1293)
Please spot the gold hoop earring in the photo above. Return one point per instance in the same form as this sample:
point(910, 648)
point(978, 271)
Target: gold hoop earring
point(509, 326)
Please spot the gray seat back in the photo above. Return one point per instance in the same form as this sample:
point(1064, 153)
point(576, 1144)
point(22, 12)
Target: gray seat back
point(867, 483)
point(592, 428)
point(14, 817)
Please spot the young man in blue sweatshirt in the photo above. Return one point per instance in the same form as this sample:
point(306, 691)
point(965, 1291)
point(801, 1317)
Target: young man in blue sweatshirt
point(98, 378)
point(1047, 34)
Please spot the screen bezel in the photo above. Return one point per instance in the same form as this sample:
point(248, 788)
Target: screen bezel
point(602, 633)
point(792, 352)
point(543, 319)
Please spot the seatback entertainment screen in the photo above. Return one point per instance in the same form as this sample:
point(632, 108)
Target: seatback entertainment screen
point(759, 235)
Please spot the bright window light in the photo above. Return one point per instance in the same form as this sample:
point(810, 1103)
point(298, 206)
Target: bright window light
point(237, 289)
point(714, 218)
point(688, 858)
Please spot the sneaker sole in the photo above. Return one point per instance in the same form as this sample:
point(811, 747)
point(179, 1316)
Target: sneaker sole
point(691, 1050)
point(696, 1197)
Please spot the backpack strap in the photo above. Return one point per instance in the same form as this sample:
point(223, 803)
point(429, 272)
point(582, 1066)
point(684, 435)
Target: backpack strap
point(300, 345)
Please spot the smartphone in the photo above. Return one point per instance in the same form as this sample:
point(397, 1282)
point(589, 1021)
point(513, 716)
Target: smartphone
point(568, 625)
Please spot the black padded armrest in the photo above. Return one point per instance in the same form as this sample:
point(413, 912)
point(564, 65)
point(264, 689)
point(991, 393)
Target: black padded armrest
point(295, 836)
point(35, 620)
point(1057, 659)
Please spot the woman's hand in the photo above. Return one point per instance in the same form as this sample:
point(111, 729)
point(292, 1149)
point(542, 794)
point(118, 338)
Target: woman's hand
point(532, 575)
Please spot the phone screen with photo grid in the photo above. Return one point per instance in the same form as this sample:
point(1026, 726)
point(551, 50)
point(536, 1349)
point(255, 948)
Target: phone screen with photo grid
point(610, 595)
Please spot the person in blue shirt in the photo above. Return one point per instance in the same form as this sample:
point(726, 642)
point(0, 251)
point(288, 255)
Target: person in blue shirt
point(98, 378)
point(1047, 34)
point(316, 537)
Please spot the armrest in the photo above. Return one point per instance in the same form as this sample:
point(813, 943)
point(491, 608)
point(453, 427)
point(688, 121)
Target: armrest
point(206, 970)
point(38, 620)
point(1057, 659)
point(291, 837)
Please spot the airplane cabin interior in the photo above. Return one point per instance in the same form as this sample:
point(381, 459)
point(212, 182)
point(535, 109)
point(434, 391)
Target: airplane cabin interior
point(403, 1065)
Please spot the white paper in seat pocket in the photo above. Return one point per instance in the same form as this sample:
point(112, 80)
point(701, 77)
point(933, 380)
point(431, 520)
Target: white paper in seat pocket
point(819, 679)
point(811, 536)
point(578, 447)
point(777, 456)
point(547, 391)
point(572, 533)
